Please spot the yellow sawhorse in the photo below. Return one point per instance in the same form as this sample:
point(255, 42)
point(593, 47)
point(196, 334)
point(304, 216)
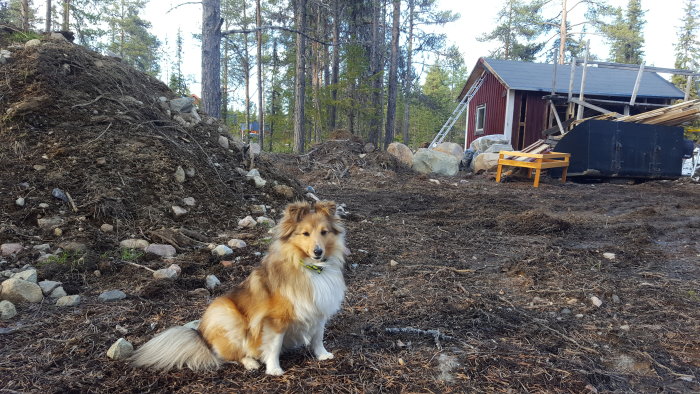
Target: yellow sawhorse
point(542, 161)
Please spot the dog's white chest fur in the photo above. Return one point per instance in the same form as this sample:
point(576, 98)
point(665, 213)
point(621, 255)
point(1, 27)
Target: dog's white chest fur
point(328, 291)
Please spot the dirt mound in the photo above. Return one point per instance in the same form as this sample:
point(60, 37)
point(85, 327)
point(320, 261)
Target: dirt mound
point(104, 134)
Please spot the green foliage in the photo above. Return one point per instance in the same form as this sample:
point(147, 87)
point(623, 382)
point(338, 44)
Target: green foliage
point(129, 36)
point(22, 37)
point(688, 46)
point(126, 254)
point(178, 82)
point(625, 35)
point(69, 258)
point(519, 24)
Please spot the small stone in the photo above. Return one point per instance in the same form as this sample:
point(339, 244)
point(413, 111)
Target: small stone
point(247, 222)
point(59, 194)
point(393, 263)
point(179, 175)
point(176, 268)
point(435, 181)
point(194, 324)
point(100, 161)
point(226, 263)
point(625, 327)
point(57, 232)
point(32, 43)
point(579, 315)
point(7, 310)
point(10, 248)
point(58, 292)
point(201, 292)
point(566, 311)
point(616, 299)
point(43, 205)
point(29, 275)
point(18, 290)
point(223, 142)
point(222, 250)
point(369, 147)
point(237, 243)
point(284, 191)
point(73, 246)
point(42, 247)
point(39, 167)
point(596, 301)
point(71, 300)
point(47, 286)
point(20, 202)
point(252, 173)
point(133, 243)
point(189, 201)
point(609, 256)
point(258, 209)
point(161, 250)
point(190, 172)
point(111, 295)
point(97, 273)
point(178, 211)
point(212, 282)
point(121, 329)
point(120, 350)
point(165, 273)
point(106, 228)
point(265, 221)
point(50, 223)
point(259, 182)
point(571, 301)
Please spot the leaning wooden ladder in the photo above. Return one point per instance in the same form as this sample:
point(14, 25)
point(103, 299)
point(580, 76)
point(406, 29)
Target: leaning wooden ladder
point(464, 104)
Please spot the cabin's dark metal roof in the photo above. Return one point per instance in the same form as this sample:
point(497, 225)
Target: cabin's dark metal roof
point(600, 81)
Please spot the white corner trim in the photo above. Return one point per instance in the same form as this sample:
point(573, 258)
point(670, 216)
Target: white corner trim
point(508, 124)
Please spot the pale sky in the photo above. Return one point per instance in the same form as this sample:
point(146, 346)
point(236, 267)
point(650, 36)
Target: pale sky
point(477, 17)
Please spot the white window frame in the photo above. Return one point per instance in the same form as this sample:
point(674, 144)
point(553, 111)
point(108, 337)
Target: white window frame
point(480, 115)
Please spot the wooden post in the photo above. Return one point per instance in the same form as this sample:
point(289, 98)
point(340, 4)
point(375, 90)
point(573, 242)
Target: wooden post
point(556, 116)
point(554, 79)
point(571, 78)
point(579, 115)
point(636, 85)
point(687, 88)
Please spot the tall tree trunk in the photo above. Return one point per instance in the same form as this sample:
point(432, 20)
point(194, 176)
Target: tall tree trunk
point(66, 16)
point(224, 80)
point(261, 116)
point(211, 57)
point(562, 32)
point(246, 71)
point(273, 98)
point(24, 11)
point(335, 67)
point(408, 75)
point(393, 66)
point(47, 28)
point(316, 69)
point(300, 83)
point(375, 128)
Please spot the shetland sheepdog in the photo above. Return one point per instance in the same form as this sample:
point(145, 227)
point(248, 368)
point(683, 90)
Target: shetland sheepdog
point(284, 303)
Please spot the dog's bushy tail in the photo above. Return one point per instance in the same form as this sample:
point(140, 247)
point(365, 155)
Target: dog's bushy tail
point(176, 347)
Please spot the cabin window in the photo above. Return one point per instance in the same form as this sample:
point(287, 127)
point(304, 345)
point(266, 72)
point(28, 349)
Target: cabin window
point(480, 118)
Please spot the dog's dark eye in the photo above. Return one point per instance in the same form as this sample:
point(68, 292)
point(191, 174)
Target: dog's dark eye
point(306, 234)
point(324, 232)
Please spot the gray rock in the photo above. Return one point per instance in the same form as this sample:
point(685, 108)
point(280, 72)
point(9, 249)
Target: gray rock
point(178, 211)
point(20, 202)
point(47, 286)
point(247, 222)
point(265, 221)
point(258, 209)
point(481, 144)
point(29, 275)
point(120, 350)
point(451, 148)
point(254, 148)
point(10, 248)
point(284, 191)
point(496, 148)
point(43, 205)
point(133, 243)
point(179, 175)
point(176, 268)
point(596, 301)
point(7, 310)
point(59, 194)
point(241, 171)
point(71, 300)
point(566, 311)
point(100, 161)
point(73, 246)
point(161, 250)
point(182, 104)
point(369, 147)
point(194, 324)
point(57, 37)
point(401, 152)
point(5, 56)
point(58, 292)
point(616, 299)
point(212, 282)
point(165, 273)
point(32, 43)
point(223, 142)
point(50, 223)
point(42, 247)
point(259, 182)
point(189, 201)
point(221, 250)
point(428, 161)
point(111, 295)
point(237, 243)
point(17, 290)
point(106, 228)
point(6, 274)
point(252, 173)
point(485, 162)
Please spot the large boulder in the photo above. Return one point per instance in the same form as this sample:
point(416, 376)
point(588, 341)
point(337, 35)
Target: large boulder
point(428, 161)
point(481, 144)
point(18, 290)
point(485, 162)
point(401, 152)
point(495, 148)
point(451, 148)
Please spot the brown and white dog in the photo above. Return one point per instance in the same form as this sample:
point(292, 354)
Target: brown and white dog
point(283, 304)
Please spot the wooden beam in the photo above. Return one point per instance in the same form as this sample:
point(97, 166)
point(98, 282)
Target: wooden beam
point(556, 116)
point(571, 78)
point(687, 88)
point(591, 106)
point(579, 114)
point(636, 84)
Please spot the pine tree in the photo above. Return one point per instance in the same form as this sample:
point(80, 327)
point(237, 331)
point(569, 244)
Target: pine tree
point(130, 38)
point(519, 24)
point(625, 34)
point(178, 83)
point(688, 46)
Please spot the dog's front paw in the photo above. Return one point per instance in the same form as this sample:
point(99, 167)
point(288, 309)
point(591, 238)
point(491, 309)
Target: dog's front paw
point(325, 356)
point(274, 371)
point(249, 363)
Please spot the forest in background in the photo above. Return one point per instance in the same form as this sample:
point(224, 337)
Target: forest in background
point(375, 68)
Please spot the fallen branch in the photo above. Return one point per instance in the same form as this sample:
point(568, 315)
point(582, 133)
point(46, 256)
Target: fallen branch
point(137, 265)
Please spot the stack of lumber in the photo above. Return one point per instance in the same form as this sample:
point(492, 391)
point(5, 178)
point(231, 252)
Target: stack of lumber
point(608, 116)
point(674, 115)
point(539, 146)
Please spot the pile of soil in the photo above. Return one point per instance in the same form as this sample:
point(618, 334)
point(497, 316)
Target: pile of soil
point(97, 129)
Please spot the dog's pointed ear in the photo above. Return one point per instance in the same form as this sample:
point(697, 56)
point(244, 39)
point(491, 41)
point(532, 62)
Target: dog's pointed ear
point(325, 207)
point(292, 215)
